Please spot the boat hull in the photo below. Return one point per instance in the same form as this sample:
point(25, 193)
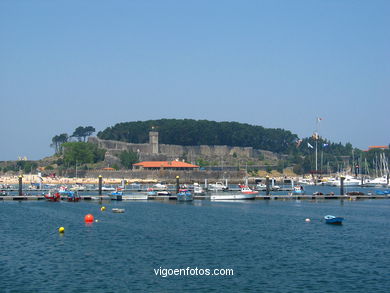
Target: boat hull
point(232, 196)
point(333, 220)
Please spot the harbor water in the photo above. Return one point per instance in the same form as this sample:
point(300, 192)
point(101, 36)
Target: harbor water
point(266, 244)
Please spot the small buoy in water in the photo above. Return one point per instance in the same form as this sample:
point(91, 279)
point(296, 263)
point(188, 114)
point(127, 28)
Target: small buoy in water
point(307, 220)
point(103, 208)
point(96, 220)
point(88, 218)
point(61, 229)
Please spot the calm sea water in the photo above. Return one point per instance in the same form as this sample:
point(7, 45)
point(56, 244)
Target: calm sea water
point(268, 245)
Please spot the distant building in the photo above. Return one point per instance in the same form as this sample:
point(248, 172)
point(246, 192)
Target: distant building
point(378, 147)
point(164, 165)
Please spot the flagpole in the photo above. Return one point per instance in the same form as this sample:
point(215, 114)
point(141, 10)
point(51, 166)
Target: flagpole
point(316, 138)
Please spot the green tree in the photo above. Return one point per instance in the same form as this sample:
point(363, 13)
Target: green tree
point(27, 166)
point(57, 142)
point(128, 158)
point(82, 153)
point(81, 133)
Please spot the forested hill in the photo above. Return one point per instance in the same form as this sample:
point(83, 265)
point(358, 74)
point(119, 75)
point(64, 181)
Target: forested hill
point(203, 132)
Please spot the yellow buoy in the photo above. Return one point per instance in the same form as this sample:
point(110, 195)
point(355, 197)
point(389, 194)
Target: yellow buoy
point(103, 208)
point(61, 229)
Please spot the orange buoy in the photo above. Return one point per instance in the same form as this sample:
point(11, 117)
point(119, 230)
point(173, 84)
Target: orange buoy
point(88, 218)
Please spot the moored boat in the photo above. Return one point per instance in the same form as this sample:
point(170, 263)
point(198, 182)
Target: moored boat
point(297, 190)
point(198, 189)
point(246, 190)
point(233, 196)
point(52, 196)
point(218, 186)
point(329, 219)
point(140, 196)
point(184, 195)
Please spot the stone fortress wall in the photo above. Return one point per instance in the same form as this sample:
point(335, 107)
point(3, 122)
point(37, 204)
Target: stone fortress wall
point(153, 151)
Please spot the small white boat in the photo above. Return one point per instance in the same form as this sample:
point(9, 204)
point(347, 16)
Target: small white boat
point(135, 197)
point(218, 186)
point(108, 188)
point(235, 196)
point(160, 186)
point(198, 189)
point(348, 181)
point(119, 211)
point(377, 182)
point(260, 186)
point(101, 197)
point(305, 181)
point(297, 190)
point(78, 187)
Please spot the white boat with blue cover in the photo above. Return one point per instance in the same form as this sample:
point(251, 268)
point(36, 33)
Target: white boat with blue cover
point(329, 219)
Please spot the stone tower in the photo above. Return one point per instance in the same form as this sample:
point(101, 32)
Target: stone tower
point(153, 142)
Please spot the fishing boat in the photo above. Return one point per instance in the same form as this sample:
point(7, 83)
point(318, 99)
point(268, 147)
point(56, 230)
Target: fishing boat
point(184, 195)
point(246, 190)
point(329, 219)
point(69, 195)
point(52, 196)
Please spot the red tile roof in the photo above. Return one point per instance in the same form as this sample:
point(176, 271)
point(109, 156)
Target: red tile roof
point(165, 164)
point(378, 147)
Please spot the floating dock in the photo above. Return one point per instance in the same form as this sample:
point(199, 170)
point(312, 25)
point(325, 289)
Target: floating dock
point(206, 197)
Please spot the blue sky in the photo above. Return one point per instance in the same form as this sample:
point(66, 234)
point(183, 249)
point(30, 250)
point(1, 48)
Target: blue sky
point(278, 64)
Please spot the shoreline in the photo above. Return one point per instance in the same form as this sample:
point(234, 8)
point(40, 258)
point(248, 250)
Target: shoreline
point(29, 179)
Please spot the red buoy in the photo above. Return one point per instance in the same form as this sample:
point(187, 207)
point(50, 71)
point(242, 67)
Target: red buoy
point(88, 218)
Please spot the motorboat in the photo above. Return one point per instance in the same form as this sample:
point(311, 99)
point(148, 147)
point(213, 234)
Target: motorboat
point(198, 189)
point(377, 182)
point(153, 192)
point(108, 188)
point(78, 187)
point(348, 181)
point(246, 190)
point(305, 181)
point(260, 186)
point(297, 190)
point(118, 211)
point(160, 186)
point(218, 186)
point(140, 196)
point(329, 219)
point(232, 196)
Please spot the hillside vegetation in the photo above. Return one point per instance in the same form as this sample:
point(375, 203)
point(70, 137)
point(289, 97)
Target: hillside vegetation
point(203, 132)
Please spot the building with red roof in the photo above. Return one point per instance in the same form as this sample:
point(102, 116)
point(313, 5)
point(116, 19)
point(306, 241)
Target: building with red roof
point(378, 147)
point(164, 165)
